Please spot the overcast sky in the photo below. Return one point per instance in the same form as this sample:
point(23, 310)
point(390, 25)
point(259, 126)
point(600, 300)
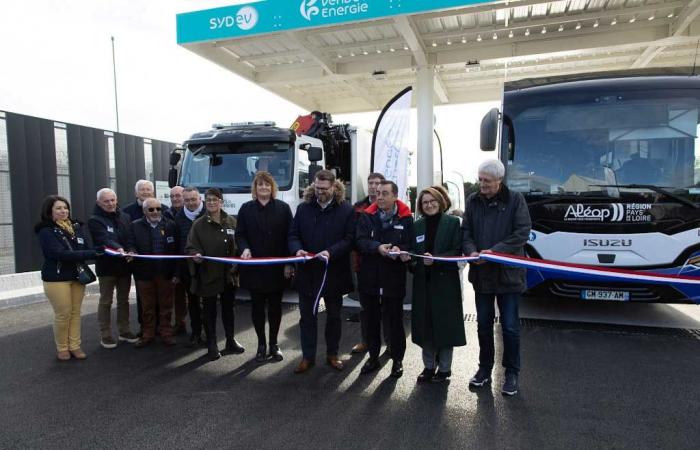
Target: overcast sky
point(56, 62)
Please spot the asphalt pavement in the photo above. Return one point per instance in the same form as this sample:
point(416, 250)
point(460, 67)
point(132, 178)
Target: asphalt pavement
point(582, 386)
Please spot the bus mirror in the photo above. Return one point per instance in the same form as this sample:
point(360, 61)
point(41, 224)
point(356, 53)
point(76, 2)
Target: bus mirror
point(489, 130)
point(315, 154)
point(172, 177)
point(313, 170)
point(174, 157)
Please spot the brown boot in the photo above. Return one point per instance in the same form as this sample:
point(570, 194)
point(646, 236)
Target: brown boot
point(304, 365)
point(78, 353)
point(359, 348)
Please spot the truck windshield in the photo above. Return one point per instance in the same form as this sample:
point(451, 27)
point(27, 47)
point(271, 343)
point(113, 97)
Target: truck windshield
point(577, 142)
point(232, 166)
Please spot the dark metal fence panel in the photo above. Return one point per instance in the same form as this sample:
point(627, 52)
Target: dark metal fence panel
point(32, 157)
point(129, 164)
point(89, 167)
point(161, 158)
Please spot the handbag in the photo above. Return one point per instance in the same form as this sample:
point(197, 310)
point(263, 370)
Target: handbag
point(85, 274)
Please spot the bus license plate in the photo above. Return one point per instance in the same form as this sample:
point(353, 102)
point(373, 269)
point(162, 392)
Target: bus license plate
point(616, 296)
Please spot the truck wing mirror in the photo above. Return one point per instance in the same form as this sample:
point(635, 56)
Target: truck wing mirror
point(315, 154)
point(489, 130)
point(174, 157)
point(172, 177)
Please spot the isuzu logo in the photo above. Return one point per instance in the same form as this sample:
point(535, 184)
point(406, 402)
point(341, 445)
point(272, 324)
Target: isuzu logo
point(613, 212)
point(607, 242)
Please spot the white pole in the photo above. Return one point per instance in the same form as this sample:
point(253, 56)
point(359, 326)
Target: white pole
point(424, 105)
point(114, 71)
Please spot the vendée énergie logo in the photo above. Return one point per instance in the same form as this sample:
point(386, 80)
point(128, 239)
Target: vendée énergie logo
point(332, 8)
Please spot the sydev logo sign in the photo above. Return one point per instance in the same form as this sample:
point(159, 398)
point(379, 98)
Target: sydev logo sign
point(245, 19)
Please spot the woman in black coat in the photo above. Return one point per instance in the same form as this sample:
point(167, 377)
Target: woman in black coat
point(263, 224)
point(64, 246)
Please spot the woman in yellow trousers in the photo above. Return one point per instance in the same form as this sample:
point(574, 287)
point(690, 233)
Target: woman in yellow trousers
point(65, 249)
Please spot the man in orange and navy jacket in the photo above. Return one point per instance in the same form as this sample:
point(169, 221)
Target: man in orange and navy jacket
point(385, 228)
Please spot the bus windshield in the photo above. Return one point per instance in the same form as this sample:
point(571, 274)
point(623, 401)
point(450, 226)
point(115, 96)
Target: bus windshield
point(232, 166)
point(578, 142)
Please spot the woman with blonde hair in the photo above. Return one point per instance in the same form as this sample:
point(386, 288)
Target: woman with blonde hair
point(65, 250)
point(263, 224)
point(436, 313)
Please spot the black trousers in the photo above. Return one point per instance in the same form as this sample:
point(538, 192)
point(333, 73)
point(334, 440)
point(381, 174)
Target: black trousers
point(386, 328)
point(308, 325)
point(274, 314)
point(227, 299)
point(390, 309)
point(194, 306)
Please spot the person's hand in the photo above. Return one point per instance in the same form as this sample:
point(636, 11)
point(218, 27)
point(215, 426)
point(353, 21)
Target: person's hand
point(99, 250)
point(130, 256)
point(175, 280)
point(198, 258)
point(476, 263)
point(302, 253)
point(324, 254)
point(384, 249)
point(427, 262)
point(405, 257)
point(396, 252)
point(246, 254)
point(288, 271)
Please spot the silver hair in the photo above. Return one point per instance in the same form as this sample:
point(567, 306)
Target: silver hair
point(139, 183)
point(103, 191)
point(149, 200)
point(492, 167)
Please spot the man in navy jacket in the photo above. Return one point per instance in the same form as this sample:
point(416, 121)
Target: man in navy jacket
point(385, 227)
point(323, 225)
point(109, 227)
point(155, 278)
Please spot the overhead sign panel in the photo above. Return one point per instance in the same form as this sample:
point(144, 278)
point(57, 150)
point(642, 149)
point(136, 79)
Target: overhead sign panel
point(269, 16)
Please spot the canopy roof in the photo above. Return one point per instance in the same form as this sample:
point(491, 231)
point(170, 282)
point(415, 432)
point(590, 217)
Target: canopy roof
point(343, 56)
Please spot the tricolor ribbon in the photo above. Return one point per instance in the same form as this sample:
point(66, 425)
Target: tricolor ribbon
point(265, 261)
point(562, 268)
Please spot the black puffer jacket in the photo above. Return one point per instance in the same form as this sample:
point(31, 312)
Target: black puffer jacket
point(141, 241)
point(380, 275)
point(110, 230)
point(501, 224)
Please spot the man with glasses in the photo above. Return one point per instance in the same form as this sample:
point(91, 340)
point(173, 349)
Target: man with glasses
point(155, 278)
point(323, 225)
point(496, 220)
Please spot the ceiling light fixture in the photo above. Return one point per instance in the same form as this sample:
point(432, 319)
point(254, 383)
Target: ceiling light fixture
point(544, 30)
point(434, 44)
point(478, 38)
point(510, 34)
point(527, 32)
point(561, 28)
point(392, 49)
point(633, 19)
point(495, 36)
point(578, 25)
point(652, 17)
point(365, 53)
point(449, 42)
point(464, 40)
point(596, 24)
point(614, 21)
point(670, 15)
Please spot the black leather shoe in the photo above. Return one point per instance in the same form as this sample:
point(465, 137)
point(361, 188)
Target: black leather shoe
point(232, 346)
point(397, 369)
point(426, 375)
point(213, 351)
point(261, 355)
point(370, 366)
point(442, 376)
point(275, 352)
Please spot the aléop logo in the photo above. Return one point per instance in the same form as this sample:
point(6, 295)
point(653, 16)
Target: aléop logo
point(613, 212)
point(245, 19)
point(332, 8)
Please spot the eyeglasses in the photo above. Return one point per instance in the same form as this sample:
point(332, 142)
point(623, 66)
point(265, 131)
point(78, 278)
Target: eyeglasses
point(155, 209)
point(212, 200)
point(429, 202)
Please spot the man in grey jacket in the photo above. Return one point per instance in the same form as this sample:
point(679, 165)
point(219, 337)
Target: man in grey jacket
point(496, 220)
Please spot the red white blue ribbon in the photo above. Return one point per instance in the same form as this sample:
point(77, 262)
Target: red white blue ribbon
point(265, 261)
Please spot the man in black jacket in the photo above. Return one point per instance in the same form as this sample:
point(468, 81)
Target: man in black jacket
point(323, 225)
point(496, 219)
point(155, 278)
point(109, 227)
point(176, 202)
point(385, 227)
point(180, 305)
point(143, 190)
point(193, 210)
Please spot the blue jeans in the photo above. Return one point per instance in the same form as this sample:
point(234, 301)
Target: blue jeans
point(510, 326)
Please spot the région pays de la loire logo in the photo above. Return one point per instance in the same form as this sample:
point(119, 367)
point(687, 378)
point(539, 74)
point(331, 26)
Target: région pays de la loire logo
point(332, 8)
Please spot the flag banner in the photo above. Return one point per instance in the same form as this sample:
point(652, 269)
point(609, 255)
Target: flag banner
point(390, 141)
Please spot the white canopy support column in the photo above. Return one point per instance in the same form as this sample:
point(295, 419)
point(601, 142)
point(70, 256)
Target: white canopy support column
point(425, 81)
